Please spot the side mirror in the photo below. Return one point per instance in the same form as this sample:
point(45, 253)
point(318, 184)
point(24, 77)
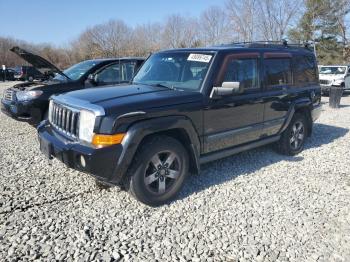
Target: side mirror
point(226, 89)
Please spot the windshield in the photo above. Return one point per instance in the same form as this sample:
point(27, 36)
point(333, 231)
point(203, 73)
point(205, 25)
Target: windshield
point(333, 70)
point(179, 70)
point(76, 71)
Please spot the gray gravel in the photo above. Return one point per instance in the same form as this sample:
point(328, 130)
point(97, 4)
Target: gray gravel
point(255, 206)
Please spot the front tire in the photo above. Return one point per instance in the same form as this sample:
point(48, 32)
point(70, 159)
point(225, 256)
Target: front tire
point(158, 171)
point(293, 138)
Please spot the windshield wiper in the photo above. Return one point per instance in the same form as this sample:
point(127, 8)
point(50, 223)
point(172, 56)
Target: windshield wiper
point(165, 86)
point(156, 85)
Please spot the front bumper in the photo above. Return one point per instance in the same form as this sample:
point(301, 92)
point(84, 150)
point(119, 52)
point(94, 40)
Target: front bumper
point(325, 89)
point(21, 111)
point(102, 163)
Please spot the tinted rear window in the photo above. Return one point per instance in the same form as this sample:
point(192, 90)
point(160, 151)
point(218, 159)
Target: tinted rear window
point(278, 72)
point(305, 70)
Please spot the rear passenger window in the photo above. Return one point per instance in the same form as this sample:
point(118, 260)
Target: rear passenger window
point(305, 70)
point(244, 71)
point(278, 72)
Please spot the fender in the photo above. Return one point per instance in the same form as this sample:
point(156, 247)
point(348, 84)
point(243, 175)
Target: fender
point(138, 131)
point(295, 105)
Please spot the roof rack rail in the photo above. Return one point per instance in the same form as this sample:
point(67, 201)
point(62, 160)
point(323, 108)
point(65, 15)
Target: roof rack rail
point(271, 44)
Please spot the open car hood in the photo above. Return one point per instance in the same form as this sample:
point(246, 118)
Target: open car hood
point(37, 61)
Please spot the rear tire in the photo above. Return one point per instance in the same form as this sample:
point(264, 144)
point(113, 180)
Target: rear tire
point(158, 170)
point(30, 78)
point(293, 138)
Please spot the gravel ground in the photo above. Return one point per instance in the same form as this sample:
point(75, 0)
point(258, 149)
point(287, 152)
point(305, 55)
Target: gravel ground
point(255, 206)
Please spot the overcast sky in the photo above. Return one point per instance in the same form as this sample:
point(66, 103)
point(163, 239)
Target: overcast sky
point(59, 22)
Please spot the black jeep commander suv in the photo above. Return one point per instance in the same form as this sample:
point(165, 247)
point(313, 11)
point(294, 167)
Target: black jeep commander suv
point(185, 107)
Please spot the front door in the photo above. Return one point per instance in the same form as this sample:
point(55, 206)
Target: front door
point(235, 119)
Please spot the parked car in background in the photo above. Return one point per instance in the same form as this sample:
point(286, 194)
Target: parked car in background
point(7, 74)
point(29, 101)
point(185, 107)
point(333, 75)
point(28, 73)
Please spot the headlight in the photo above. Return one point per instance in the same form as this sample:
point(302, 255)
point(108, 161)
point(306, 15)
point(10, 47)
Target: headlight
point(28, 95)
point(86, 125)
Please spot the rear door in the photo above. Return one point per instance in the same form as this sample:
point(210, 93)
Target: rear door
point(278, 79)
point(235, 119)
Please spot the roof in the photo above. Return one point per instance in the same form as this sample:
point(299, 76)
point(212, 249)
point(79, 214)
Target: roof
point(116, 59)
point(249, 46)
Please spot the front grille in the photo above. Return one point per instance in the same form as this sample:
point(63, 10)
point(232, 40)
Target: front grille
point(9, 95)
point(325, 82)
point(65, 119)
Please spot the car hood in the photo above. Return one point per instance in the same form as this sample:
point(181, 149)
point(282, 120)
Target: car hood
point(37, 61)
point(35, 85)
point(129, 97)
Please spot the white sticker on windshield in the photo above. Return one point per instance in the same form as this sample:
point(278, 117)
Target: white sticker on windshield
point(199, 58)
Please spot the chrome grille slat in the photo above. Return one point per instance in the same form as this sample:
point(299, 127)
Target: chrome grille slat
point(53, 119)
point(54, 114)
point(60, 118)
point(56, 117)
point(68, 120)
point(64, 112)
point(72, 124)
point(65, 119)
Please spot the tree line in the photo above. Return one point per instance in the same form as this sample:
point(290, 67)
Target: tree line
point(321, 21)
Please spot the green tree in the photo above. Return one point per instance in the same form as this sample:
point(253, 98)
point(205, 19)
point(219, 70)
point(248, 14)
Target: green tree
point(323, 22)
